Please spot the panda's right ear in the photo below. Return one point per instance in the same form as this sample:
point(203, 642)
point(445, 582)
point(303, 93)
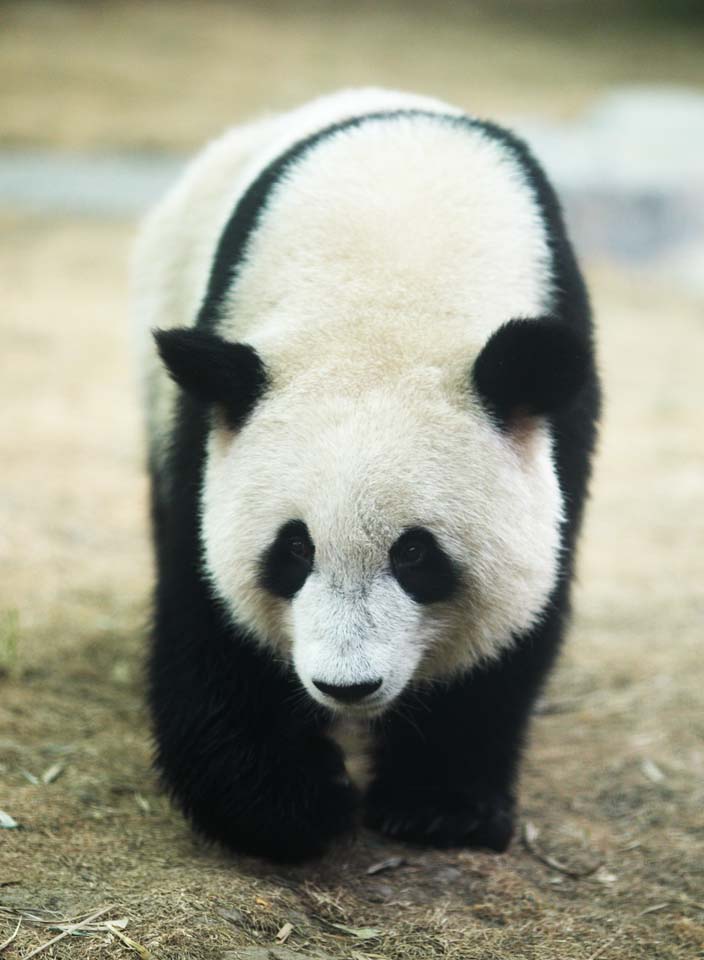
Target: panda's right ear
point(213, 370)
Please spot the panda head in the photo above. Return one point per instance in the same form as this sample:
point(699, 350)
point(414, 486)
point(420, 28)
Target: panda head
point(380, 537)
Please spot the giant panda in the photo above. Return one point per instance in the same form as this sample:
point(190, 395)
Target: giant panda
point(371, 399)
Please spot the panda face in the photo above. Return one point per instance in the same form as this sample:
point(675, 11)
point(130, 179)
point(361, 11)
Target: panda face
point(371, 551)
point(369, 622)
point(379, 504)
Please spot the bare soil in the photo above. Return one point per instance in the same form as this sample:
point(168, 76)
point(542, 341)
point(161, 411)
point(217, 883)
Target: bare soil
point(614, 776)
point(173, 74)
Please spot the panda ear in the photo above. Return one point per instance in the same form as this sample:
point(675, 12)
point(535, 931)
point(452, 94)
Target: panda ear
point(530, 367)
point(213, 370)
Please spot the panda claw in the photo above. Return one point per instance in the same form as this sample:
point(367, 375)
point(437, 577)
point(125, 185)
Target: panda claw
point(434, 825)
point(455, 820)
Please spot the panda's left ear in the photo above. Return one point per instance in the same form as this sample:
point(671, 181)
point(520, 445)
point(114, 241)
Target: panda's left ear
point(529, 368)
point(213, 370)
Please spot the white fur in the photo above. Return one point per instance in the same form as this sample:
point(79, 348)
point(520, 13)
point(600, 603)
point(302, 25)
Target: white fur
point(381, 265)
point(174, 250)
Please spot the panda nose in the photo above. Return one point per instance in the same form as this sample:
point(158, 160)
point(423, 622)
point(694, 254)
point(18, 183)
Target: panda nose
point(351, 693)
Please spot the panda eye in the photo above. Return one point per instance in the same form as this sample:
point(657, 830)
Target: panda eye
point(300, 548)
point(422, 568)
point(285, 565)
point(412, 554)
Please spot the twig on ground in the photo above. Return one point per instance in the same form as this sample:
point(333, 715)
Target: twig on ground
point(69, 930)
point(530, 835)
point(390, 864)
point(6, 943)
point(129, 942)
point(284, 933)
point(57, 922)
point(654, 908)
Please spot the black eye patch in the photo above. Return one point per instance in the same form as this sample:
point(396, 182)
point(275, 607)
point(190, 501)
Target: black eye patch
point(286, 564)
point(422, 567)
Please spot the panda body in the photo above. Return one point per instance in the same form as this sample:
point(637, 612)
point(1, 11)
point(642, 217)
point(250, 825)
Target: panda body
point(370, 420)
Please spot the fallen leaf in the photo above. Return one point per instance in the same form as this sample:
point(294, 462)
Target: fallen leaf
point(530, 832)
point(391, 864)
point(361, 933)
point(603, 876)
point(272, 953)
point(52, 773)
point(652, 771)
point(142, 803)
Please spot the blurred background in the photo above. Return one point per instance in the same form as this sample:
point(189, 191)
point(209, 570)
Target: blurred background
point(100, 105)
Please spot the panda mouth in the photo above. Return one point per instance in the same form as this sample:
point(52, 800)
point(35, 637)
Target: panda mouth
point(368, 708)
point(371, 709)
point(361, 697)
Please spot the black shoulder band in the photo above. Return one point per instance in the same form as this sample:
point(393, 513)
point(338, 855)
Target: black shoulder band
point(570, 295)
point(248, 211)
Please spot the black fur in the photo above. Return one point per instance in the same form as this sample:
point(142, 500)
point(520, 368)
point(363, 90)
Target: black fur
point(533, 367)
point(284, 568)
point(240, 745)
point(214, 371)
point(422, 567)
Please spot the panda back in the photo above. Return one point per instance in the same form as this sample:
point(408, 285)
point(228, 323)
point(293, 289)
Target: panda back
point(177, 245)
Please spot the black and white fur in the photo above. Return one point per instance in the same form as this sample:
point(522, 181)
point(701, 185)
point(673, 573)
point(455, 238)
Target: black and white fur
point(368, 470)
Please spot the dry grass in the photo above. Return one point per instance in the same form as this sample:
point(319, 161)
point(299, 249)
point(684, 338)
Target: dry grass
point(615, 775)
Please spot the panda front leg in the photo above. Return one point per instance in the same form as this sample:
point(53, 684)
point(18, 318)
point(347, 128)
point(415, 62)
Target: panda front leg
point(447, 757)
point(240, 747)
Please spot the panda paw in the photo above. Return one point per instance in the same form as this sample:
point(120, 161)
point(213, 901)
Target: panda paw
point(289, 807)
point(303, 826)
point(462, 818)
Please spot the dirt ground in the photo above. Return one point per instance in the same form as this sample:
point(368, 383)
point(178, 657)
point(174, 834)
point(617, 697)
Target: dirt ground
point(165, 73)
point(614, 777)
